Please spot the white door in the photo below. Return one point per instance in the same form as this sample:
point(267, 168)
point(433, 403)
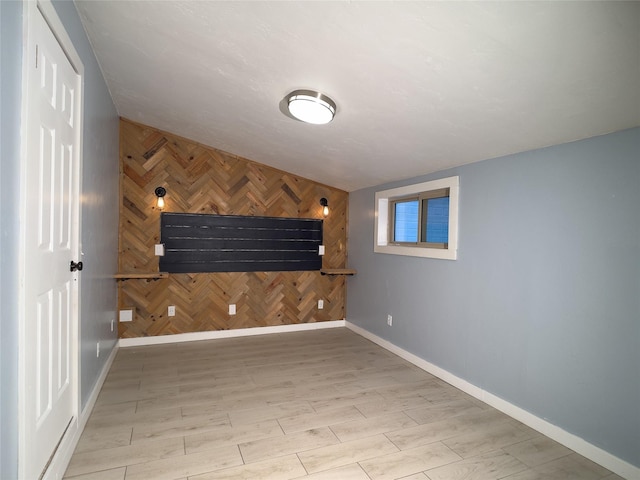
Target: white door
point(50, 243)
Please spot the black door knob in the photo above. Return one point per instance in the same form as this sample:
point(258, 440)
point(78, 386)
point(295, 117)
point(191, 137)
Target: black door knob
point(75, 266)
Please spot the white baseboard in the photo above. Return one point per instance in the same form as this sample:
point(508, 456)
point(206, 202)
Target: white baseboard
point(569, 440)
point(88, 408)
point(61, 459)
point(240, 332)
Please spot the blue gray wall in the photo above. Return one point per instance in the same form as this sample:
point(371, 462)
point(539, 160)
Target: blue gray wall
point(99, 218)
point(10, 98)
point(542, 307)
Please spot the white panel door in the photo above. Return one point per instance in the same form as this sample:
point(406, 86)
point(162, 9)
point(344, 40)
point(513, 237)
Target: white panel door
point(51, 242)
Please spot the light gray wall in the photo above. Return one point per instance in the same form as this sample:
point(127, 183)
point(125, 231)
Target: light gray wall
point(99, 212)
point(100, 187)
point(10, 98)
point(542, 307)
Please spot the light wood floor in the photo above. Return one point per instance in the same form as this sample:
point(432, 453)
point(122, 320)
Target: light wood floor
point(318, 405)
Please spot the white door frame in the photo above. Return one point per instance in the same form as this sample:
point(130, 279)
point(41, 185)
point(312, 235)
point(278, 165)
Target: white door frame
point(65, 449)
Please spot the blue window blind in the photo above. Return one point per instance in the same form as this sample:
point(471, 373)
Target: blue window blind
point(437, 220)
point(406, 218)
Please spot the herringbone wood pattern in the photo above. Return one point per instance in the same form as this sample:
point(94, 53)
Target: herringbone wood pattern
point(201, 179)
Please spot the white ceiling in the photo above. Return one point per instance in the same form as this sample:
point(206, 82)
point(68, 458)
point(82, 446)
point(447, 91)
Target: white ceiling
point(420, 86)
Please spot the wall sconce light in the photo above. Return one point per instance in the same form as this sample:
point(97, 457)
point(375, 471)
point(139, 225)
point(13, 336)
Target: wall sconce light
point(325, 206)
point(160, 193)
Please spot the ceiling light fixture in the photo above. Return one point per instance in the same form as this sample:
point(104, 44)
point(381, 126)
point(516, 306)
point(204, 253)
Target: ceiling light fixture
point(311, 107)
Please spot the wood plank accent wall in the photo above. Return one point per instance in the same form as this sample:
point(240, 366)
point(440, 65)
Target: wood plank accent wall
point(201, 179)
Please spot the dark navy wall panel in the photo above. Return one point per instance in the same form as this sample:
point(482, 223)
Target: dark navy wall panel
point(196, 243)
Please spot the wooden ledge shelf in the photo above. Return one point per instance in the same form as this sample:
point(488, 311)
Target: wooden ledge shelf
point(159, 275)
point(338, 271)
point(148, 276)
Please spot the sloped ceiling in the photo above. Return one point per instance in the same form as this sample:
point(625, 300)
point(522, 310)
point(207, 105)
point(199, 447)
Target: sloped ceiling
point(420, 86)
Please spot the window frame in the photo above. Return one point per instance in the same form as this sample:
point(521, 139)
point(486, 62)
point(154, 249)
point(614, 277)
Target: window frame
point(384, 219)
point(422, 199)
point(392, 219)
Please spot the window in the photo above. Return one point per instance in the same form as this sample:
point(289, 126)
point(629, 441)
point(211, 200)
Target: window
point(418, 220)
point(421, 220)
point(406, 220)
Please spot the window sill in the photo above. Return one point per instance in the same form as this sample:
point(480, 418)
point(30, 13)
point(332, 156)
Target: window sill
point(439, 253)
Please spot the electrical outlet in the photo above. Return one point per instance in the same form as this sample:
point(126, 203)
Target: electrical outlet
point(98, 349)
point(159, 249)
point(320, 304)
point(389, 320)
point(232, 309)
point(126, 315)
point(171, 311)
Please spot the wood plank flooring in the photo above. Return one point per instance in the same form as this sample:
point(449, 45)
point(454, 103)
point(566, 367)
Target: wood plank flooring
point(318, 405)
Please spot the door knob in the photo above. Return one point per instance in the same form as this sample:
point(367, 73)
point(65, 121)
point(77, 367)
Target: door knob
point(75, 266)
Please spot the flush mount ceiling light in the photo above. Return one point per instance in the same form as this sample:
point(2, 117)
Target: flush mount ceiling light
point(311, 107)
